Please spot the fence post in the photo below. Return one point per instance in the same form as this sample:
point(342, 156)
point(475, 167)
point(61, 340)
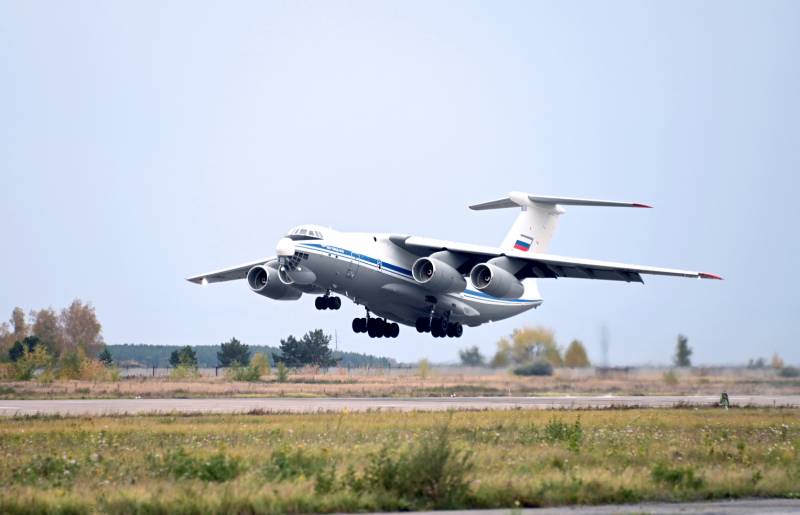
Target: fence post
point(154, 370)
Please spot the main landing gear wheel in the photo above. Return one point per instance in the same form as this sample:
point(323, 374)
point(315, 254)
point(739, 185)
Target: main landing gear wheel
point(376, 327)
point(439, 327)
point(328, 302)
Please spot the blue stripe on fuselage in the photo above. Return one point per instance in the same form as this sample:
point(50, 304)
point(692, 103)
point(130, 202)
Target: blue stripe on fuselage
point(404, 271)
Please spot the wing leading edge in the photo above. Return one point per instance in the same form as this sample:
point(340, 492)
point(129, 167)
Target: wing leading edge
point(227, 274)
point(547, 265)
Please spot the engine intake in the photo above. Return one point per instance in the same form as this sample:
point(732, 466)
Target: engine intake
point(437, 276)
point(496, 281)
point(265, 281)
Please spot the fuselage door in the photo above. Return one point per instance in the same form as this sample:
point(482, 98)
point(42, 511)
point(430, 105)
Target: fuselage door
point(352, 266)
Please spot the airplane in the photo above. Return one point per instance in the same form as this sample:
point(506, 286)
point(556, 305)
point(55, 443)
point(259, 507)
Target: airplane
point(436, 286)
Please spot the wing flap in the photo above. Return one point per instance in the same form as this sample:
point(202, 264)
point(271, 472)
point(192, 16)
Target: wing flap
point(548, 266)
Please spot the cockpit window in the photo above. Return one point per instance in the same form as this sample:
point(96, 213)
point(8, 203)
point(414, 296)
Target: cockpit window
point(303, 233)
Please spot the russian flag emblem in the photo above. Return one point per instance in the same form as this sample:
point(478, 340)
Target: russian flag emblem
point(523, 243)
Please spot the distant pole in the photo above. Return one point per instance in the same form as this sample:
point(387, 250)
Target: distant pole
point(604, 344)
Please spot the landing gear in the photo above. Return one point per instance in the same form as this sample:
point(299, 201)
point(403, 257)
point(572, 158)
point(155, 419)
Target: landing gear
point(328, 302)
point(439, 327)
point(376, 327)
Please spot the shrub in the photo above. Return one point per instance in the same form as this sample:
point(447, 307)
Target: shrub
point(424, 369)
point(558, 431)
point(677, 477)
point(184, 372)
point(178, 463)
point(259, 366)
point(48, 468)
point(284, 464)
point(282, 373)
point(535, 368)
point(429, 474)
point(789, 372)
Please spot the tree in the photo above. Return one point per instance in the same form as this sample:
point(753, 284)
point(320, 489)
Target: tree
point(105, 357)
point(471, 357)
point(185, 356)
point(6, 338)
point(312, 349)
point(777, 361)
point(526, 345)
point(575, 355)
point(20, 325)
point(232, 352)
point(682, 352)
point(47, 328)
point(502, 358)
point(80, 325)
point(23, 347)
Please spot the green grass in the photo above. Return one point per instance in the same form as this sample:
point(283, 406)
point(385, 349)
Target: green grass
point(394, 461)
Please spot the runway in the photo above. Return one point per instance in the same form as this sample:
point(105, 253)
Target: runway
point(339, 404)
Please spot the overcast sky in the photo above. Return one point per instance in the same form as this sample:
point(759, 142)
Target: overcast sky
point(143, 142)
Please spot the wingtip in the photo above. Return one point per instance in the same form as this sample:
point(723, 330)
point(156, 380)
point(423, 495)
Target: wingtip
point(645, 206)
point(706, 275)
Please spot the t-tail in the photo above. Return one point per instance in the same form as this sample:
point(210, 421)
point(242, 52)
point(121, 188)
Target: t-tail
point(536, 223)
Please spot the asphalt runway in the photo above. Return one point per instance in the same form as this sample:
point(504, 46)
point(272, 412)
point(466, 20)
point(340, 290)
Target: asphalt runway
point(727, 507)
point(360, 404)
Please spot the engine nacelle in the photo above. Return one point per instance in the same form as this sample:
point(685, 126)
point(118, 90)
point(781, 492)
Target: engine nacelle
point(437, 276)
point(496, 281)
point(264, 281)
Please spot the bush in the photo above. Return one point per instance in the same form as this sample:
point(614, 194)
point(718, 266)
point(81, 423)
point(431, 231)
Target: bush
point(558, 431)
point(259, 366)
point(424, 368)
point(178, 463)
point(677, 477)
point(429, 474)
point(789, 372)
point(284, 464)
point(282, 372)
point(184, 372)
point(535, 368)
point(46, 468)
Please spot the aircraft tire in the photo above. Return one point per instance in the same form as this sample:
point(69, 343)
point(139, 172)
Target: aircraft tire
point(394, 331)
point(359, 325)
point(459, 330)
point(334, 302)
point(320, 303)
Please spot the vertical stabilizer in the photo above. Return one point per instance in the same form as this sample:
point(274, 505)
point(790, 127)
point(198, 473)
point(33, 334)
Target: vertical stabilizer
point(534, 227)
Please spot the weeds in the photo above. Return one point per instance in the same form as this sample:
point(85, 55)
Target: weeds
point(558, 431)
point(677, 477)
point(180, 464)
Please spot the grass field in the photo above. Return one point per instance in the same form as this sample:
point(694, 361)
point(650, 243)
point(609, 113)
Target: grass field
point(452, 381)
point(388, 461)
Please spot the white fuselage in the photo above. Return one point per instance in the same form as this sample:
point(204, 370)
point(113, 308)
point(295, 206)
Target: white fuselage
point(371, 270)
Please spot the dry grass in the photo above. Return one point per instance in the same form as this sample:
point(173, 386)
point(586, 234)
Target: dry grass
point(437, 383)
point(332, 462)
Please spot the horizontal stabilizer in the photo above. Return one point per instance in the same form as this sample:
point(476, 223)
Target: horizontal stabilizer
point(517, 198)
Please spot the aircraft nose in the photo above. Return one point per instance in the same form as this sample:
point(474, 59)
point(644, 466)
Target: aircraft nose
point(285, 247)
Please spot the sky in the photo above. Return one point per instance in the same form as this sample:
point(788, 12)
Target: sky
point(144, 142)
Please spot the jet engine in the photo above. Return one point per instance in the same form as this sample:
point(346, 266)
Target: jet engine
point(496, 281)
point(437, 276)
point(265, 281)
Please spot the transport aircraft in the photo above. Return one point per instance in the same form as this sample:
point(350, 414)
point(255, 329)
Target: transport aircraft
point(434, 285)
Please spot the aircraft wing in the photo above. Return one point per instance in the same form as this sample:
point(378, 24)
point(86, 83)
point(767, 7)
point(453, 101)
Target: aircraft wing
point(228, 274)
point(545, 265)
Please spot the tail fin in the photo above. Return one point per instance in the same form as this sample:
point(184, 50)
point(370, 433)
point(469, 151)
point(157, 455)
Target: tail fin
point(534, 227)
